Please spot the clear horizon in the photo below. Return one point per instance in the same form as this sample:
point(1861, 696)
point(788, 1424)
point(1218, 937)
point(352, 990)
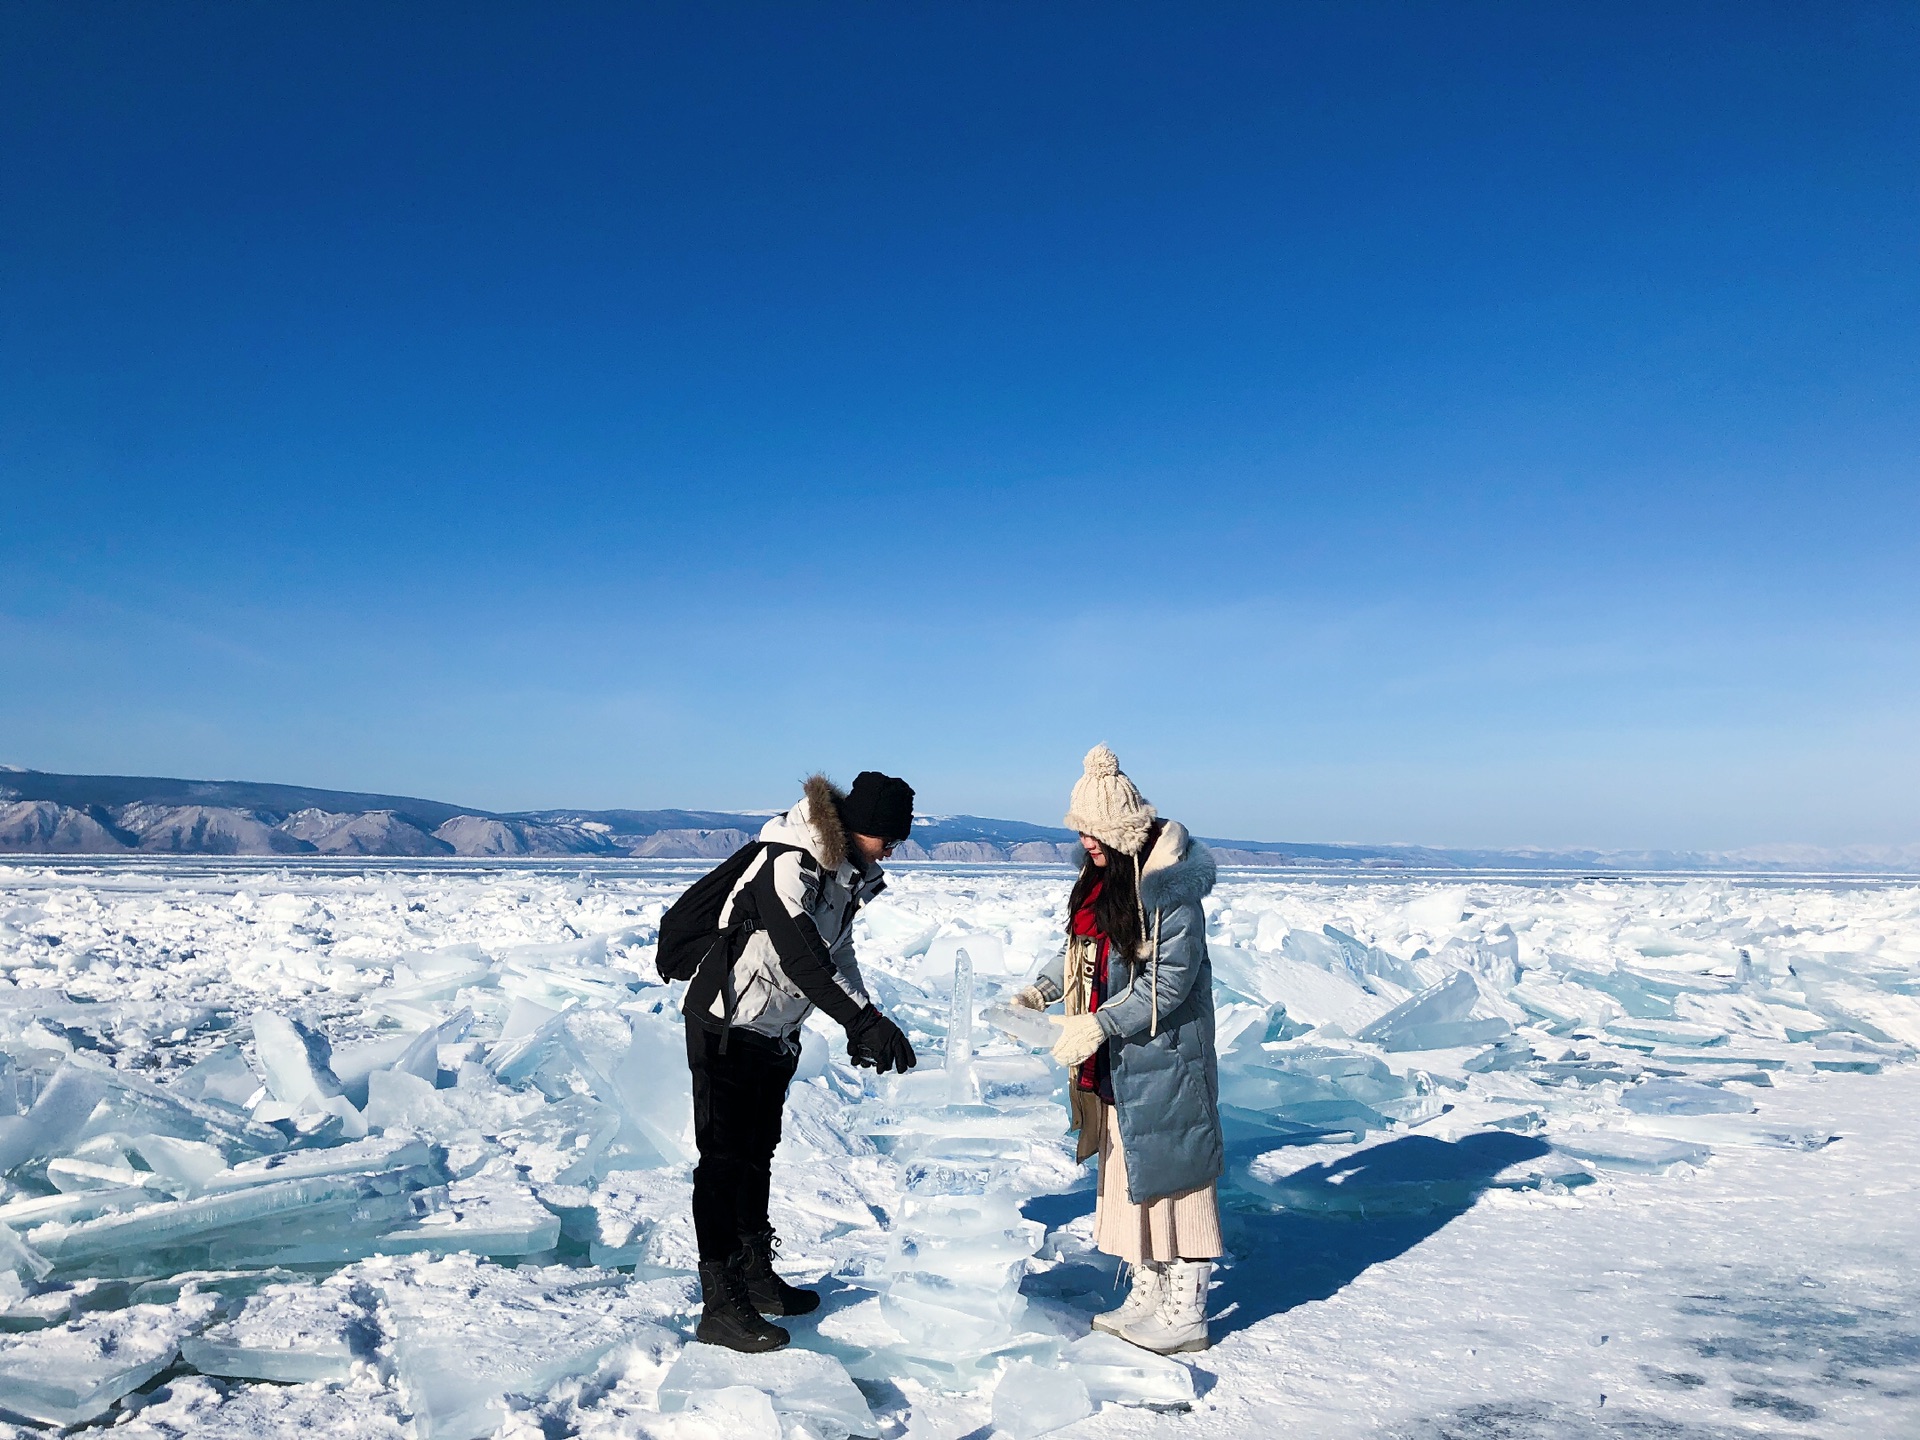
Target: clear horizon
point(1463, 426)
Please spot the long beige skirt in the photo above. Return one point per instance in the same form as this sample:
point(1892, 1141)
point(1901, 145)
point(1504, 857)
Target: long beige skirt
point(1184, 1226)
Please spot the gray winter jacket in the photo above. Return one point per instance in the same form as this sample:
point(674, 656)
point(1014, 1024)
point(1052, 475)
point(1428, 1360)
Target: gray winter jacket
point(802, 894)
point(1158, 1015)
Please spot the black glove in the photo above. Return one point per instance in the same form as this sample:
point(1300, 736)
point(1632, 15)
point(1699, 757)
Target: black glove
point(874, 1040)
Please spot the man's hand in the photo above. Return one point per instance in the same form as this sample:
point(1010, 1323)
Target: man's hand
point(1030, 999)
point(1080, 1036)
point(876, 1042)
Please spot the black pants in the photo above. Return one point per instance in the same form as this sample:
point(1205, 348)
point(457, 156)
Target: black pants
point(738, 1098)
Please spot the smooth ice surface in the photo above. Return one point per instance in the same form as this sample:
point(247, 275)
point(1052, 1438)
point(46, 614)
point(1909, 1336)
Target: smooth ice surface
point(1665, 1154)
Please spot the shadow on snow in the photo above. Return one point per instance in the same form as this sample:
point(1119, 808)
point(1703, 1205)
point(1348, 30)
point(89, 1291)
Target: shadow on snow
point(1328, 1223)
point(1308, 1236)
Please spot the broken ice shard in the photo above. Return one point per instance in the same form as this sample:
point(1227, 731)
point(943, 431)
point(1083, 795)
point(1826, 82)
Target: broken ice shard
point(798, 1382)
point(1031, 1400)
point(222, 1078)
point(1124, 1374)
point(416, 1054)
point(1437, 1018)
point(296, 1057)
point(73, 1373)
point(462, 1340)
point(292, 1333)
point(1029, 1027)
point(54, 1121)
point(493, 1213)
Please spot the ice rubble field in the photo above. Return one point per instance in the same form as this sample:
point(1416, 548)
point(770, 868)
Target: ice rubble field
point(368, 1151)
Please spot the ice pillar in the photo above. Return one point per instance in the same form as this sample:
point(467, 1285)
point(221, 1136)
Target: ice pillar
point(960, 1032)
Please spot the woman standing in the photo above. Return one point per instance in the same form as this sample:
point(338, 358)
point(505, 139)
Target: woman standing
point(1138, 1043)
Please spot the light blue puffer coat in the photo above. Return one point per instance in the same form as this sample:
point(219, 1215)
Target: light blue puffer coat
point(1158, 1015)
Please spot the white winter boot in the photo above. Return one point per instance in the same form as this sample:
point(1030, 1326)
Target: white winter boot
point(1149, 1282)
point(1179, 1323)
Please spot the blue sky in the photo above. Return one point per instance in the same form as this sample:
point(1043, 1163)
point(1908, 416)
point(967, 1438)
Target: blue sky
point(1460, 423)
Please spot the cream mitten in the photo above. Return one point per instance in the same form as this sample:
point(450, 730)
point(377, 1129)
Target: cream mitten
point(1030, 999)
point(1080, 1036)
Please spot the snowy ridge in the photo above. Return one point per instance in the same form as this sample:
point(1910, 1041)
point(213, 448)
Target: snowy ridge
point(379, 1152)
point(47, 814)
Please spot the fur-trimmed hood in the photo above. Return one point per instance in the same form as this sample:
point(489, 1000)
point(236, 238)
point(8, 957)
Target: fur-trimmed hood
point(1178, 870)
point(814, 824)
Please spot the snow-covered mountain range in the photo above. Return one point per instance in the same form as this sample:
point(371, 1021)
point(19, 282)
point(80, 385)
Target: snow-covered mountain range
point(52, 814)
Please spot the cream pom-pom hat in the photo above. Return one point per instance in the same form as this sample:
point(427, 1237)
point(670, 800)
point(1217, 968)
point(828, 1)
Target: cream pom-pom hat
point(1107, 806)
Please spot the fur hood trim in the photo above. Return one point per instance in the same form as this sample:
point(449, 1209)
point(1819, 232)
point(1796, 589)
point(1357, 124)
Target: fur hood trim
point(1179, 870)
point(814, 823)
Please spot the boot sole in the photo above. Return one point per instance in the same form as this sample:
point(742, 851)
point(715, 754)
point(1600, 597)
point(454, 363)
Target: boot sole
point(1185, 1347)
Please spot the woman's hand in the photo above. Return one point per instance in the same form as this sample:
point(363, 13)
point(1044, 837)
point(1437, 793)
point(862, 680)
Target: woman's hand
point(1030, 999)
point(1080, 1036)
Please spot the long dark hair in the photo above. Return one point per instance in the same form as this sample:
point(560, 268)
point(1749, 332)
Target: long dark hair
point(1117, 911)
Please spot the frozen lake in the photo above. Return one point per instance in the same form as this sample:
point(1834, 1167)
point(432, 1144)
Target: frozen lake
point(382, 1148)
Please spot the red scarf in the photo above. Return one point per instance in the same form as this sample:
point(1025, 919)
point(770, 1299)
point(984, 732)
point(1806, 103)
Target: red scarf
point(1084, 924)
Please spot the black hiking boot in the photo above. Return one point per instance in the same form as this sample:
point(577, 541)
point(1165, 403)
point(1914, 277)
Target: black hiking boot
point(770, 1294)
point(728, 1317)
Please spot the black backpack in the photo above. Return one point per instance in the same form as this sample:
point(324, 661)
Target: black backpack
point(690, 930)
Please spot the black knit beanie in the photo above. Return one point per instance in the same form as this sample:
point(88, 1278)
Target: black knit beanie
point(878, 805)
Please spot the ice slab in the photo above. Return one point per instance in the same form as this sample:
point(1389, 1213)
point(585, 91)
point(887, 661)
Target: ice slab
point(363, 1157)
point(1371, 961)
point(55, 1120)
point(20, 1261)
point(1620, 1150)
point(466, 1335)
point(222, 1078)
point(661, 1109)
point(1437, 1018)
point(1114, 1371)
point(1032, 1400)
point(245, 1223)
point(1683, 1097)
point(629, 1215)
point(296, 1058)
point(797, 1382)
point(1030, 1027)
point(187, 1165)
point(293, 1333)
point(73, 1373)
point(531, 1032)
point(492, 1213)
point(416, 1054)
